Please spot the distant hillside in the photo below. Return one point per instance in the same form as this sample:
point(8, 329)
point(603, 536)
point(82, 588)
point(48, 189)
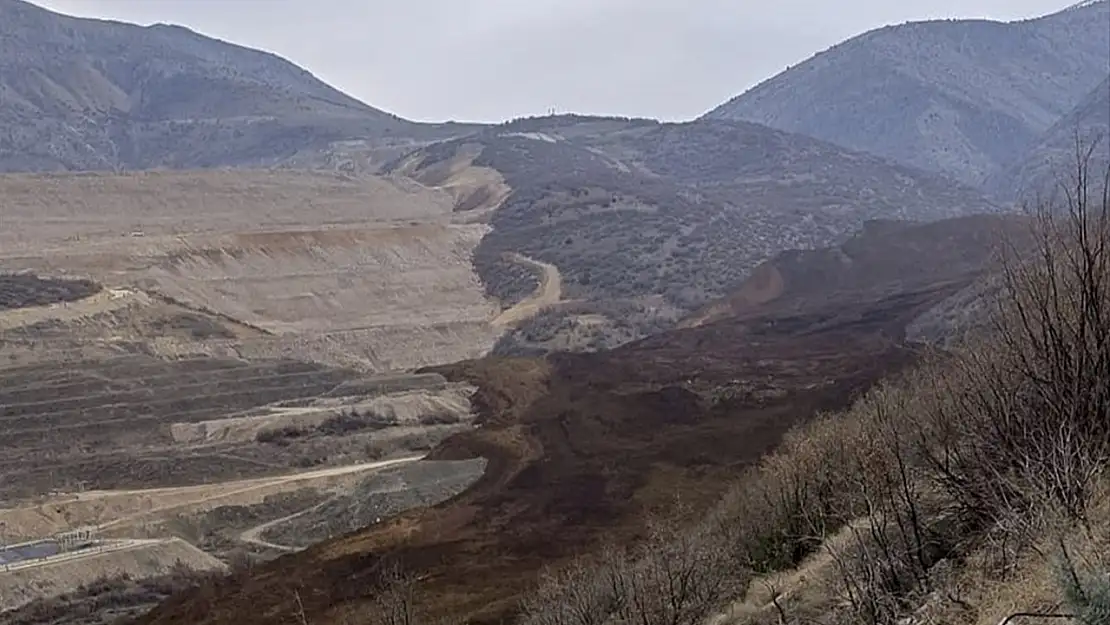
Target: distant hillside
point(1052, 158)
point(885, 259)
point(91, 94)
point(954, 96)
point(679, 210)
point(660, 218)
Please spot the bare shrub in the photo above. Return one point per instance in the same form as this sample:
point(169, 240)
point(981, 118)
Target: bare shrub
point(280, 436)
point(678, 576)
point(1026, 424)
point(781, 510)
point(440, 418)
point(885, 555)
point(578, 594)
point(982, 447)
point(395, 603)
point(347, 422)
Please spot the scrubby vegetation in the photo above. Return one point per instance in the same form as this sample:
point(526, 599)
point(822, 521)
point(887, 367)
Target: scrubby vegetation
point(110, 600)
point(342, 424)
point(587, 327)
point(21, 290)
point(627, 209)
point(971, 489)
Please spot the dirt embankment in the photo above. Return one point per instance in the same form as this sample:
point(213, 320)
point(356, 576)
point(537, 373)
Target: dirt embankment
point(404, 408)
point(548, 293)
point(115, 511)
point(138, 559)
point(885, 258)
point(372, 272)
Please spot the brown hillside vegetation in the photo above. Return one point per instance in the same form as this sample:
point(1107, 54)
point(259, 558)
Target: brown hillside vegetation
point(970, 490)
point(579, 446)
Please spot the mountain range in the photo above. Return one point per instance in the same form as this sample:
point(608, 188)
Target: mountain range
point(1084, 133)
point(670, 301)
point(944, 96)
point(961, 97)
point(80, 94)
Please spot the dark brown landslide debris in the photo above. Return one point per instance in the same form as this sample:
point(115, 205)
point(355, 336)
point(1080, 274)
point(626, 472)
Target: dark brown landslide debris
point(578, 447)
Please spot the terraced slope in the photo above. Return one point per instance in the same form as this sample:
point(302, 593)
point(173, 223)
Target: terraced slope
point(359, 271)
point(106, 423)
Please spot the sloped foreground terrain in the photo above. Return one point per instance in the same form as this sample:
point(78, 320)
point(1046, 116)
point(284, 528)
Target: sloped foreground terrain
point(580, 447)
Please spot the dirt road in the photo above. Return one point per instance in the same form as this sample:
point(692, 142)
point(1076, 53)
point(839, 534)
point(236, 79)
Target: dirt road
point(108, 547)
point(180, 497)
point(253, 536)
point(106, 301)
point(549, 292)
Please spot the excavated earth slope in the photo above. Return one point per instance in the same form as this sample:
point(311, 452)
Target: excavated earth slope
point(359, 271)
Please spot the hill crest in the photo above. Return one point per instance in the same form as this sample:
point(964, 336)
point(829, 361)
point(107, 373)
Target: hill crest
point(940, 95)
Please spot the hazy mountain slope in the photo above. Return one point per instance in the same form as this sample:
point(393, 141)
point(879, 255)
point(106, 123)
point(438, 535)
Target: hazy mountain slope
point(90, 94)
point(885, 258)
point(1052, 157)
point(680, 210)
point(955, 96)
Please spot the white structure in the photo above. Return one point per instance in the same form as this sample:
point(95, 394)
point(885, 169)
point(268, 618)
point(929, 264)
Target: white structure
point(75, 539)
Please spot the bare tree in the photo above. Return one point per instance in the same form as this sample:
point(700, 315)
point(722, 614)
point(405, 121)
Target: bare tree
point(680, 575)
point(396, 600)
point(1027, 419)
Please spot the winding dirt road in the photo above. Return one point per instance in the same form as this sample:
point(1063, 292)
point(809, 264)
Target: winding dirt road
point(240, 487)
point(253, 535)
point(549, 292)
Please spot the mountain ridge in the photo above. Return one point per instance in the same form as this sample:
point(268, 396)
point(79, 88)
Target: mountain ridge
point(1082, 133)
point(87, 94)
point(943, 95)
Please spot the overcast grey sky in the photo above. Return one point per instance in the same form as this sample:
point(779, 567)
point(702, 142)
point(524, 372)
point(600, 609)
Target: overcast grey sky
point(488, 60)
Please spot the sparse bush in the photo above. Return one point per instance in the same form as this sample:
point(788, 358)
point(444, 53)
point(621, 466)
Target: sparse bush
point(349, 422)
point(307, 462)
point(282, 435)
point(989, 443)
point(1025, 417)
point(677, 577)
point(21, 290)
point(440, 418)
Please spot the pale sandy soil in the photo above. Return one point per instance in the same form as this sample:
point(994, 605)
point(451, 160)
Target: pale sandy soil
point(360, 271)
